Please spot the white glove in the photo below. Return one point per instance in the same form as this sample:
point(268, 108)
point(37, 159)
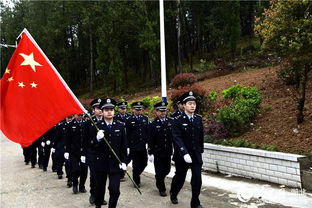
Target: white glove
point(66, 155)
point(100, 135)
point(151, 158)
point(52, 150)
point(187, 158)
point(123, 166)
point(83, 159)
point(48, 142)
point(128, 151)
point(42, 144)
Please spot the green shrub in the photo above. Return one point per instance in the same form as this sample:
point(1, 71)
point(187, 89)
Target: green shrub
point(213, 96)
point(309, 155)
point(245, 106)
point(270, 147)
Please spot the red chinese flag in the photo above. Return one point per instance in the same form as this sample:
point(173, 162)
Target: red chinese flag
point(34, 97)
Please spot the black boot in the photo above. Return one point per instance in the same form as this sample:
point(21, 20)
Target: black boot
point(75, 189)
point(91, 199)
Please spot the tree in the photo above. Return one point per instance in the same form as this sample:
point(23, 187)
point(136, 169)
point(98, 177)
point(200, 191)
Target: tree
point(286, 28)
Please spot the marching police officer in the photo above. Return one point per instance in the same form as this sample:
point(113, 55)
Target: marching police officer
point(74, 149)
point(188, 140)
point(88, 148)
point(106, 165)
point(47, 139)
point(160, 145)
point(122, 115)
point(59, 146)
point(137, 132)
point(179, 110)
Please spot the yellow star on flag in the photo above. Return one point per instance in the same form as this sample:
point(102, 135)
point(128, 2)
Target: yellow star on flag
point(7, 71)
point(33, 85)
point(21, 84)
point(29, 60)
point(10, 79)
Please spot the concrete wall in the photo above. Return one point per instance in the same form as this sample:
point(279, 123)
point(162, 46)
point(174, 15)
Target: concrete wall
point(276, 167)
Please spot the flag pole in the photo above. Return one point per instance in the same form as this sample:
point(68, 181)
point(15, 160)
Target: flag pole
point(116, 156)
point(162, 52)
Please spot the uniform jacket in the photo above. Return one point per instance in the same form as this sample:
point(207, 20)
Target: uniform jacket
point(160, 137)
point(137, 132)
point(74, 140)
point(117, 138)
point(188, 137)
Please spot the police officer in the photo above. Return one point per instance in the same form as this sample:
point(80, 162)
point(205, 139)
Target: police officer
point(74, 149)
point(47, 139)
point(137, 132)
point(122, 115)
point(160, 145)
point(179, 110)
point(88, 148)
point(59, 146)
point(106, 165)
point(188, 140)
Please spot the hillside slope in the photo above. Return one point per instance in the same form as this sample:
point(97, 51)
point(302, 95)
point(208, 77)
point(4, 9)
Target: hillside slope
point(277, 125)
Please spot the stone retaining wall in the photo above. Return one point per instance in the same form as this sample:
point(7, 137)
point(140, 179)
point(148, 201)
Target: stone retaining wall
point(276, 167)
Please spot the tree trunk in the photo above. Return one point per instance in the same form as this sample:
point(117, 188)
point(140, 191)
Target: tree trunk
point(91, 65)
point(302, 90)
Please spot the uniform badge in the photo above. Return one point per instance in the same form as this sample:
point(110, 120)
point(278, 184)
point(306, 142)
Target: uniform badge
point(108, 101)
point(191, 93)
point(99, 100)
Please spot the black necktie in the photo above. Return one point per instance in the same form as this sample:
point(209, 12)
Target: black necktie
point(191, 119)
point(109, 126)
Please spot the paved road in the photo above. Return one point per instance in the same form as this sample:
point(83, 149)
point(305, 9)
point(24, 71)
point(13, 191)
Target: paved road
point(22, 186)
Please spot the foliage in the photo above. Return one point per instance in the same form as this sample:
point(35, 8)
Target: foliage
point(213, 96)
point(288, 74)
point(309, 155)
point(215, 130)
point(121, 38)
point(286, 29)
point(183, 79)
point(237, 116)
point(244, 143)
point(206, 65)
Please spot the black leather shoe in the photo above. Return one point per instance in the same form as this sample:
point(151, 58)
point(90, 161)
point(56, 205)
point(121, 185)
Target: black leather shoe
point(44, 169)
point(104, 202)
point(33, 166)
point(198, 206)
point(59, 176)
point(82, 190)
point(91, 199)
point(162, 193)
point(75, 189)
point(26, 163)
point(69, 184)
point(97, 206)
point(174, 199)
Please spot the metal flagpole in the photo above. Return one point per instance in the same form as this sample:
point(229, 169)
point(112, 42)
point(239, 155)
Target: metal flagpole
point(162, 52)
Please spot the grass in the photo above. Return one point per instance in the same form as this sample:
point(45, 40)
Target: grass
point(242, 143)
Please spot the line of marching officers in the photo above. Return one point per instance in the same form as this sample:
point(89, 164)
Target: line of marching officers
point(78, 144)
